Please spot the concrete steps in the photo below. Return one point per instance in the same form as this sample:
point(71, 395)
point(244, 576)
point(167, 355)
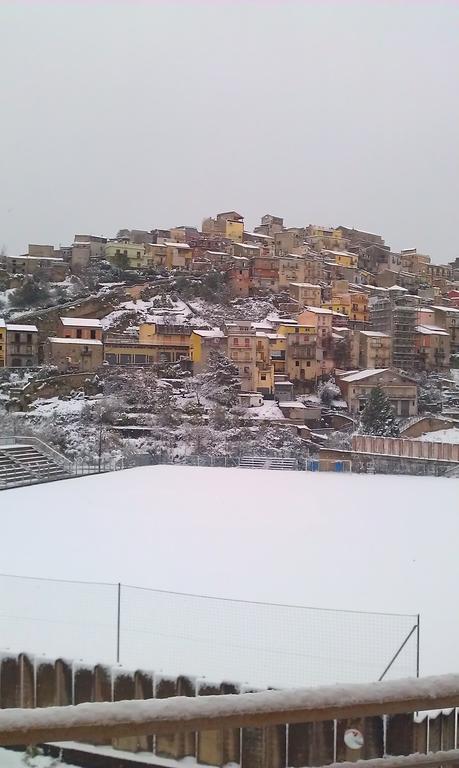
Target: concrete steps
point(26, 464)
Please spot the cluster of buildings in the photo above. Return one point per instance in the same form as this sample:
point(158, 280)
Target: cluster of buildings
point(346, 305)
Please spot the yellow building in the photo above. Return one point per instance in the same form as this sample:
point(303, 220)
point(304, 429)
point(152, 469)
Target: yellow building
point(170, 343)
point(343, 258)
point(339, 304)
point(202, 343)
point(301, 354)
point(229, 224)
point(354, 305)
point(178, 255)
point(321, 238)
point(2, 343)
point(359, 307)
point(156, 254)
point(264, 364)
point(125, 352)
point(124, 253)
point(277, 347)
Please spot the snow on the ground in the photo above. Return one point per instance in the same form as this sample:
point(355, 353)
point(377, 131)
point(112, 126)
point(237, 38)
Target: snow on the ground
point(151, 311)
point(55, 406)
point(378, 543)
point(269, 410)
point(441, 436)
point(11, 759)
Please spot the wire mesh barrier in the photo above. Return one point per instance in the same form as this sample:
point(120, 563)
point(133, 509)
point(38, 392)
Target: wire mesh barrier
point(253, 643)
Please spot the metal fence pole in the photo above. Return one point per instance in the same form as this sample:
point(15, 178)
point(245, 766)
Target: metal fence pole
point(418, 639)
point(118, 624)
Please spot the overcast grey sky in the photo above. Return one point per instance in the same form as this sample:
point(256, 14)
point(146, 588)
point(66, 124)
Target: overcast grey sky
point(153, 114)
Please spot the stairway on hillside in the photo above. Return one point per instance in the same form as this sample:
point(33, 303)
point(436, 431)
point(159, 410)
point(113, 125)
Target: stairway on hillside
point(26, 464)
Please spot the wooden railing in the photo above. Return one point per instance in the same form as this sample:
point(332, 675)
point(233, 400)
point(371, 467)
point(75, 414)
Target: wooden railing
point(216, 724)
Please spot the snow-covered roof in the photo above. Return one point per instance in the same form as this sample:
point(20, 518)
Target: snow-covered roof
point(2, 323)
point(81, 322)
point(183, 246)
point(25, 328)
point(441, 436)
point(249, 245)
point(26, 257)
point(60, 340)
point(397, 288)
point(446, 309)
point(306, 285)
point(320, 311)
point(376, 334)
point(292, 404)
point(213, 333)
point(218, 253)
point(339, 253)
point(258, 234)
point(360, 375)
point(431, 330)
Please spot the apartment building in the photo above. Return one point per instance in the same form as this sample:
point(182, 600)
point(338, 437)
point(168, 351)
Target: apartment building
point(291, 270)
point(264, 273)
point(2, 343)
point(448, 319)
point(414, 262)
point(401, 391)
point(123, 253)
point(239, 275)
point(270, 225)
point(228, 224)
point(74, 354)
point(203, 343)
point(306, 294)
point(432, 348)
point(167, 342)
point(80, 328)
point(21, 345)
point(375, 349)
point(178, 255)
point(242, 350)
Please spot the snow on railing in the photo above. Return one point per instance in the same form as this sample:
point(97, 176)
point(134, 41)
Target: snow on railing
point(185, 714)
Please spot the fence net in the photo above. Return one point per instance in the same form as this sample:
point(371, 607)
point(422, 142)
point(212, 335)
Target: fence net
point(257, 644)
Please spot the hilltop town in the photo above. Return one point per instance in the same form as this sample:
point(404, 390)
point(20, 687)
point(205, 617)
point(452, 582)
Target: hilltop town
point(219, 341)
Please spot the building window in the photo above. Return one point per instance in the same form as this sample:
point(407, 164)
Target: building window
point(297, 363)
point(78, 333)
point(17, 338)
point(308, 364)
point(263, 377)
point(246, 369)
point(93, 334)
point(29, 338)
point(247, 342)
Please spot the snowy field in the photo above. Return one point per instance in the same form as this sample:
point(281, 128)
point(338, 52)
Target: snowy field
point(364, 543)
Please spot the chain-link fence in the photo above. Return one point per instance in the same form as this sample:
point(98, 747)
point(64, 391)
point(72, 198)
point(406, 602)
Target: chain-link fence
point(260, 644)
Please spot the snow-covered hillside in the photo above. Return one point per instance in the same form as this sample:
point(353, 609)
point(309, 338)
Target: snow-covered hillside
point(336, 541)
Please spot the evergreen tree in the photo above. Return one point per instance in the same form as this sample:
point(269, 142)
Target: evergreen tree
point(378, 417)
point(220, 382)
